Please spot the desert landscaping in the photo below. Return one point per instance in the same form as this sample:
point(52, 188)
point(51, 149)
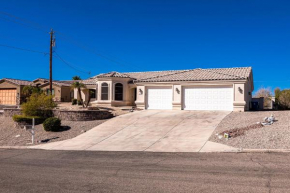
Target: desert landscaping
point(275, 136)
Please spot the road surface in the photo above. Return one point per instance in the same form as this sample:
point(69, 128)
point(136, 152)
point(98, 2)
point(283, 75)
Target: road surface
point(86, 171)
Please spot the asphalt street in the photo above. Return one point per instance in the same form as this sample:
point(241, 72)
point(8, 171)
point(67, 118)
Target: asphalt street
point(89, 171)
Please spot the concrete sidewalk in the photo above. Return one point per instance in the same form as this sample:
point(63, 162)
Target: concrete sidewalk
point(150, 130)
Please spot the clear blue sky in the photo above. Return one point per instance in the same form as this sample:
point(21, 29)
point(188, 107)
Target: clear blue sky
point(147, 35)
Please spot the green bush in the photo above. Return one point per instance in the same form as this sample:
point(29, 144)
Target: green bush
point(80, 102)
point(28, 119)
point(38, 105)
point(52, 124)
point(74, 102)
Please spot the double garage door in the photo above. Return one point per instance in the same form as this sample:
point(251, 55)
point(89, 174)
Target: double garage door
point(194, 98)
point(8, 96)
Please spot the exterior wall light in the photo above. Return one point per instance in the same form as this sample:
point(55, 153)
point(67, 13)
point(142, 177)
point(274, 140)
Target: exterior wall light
point(140, 91)
point(177, 90)
point(240, 90)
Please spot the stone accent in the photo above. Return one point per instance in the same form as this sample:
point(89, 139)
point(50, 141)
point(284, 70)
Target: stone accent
point(85, 115)
point(68, 115)
point(10, 112)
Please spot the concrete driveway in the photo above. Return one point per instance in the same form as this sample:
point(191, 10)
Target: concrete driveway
point(148, 130)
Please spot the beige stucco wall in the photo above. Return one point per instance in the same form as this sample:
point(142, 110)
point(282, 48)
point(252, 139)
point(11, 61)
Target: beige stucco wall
point(128, 92)
point(57, 91)
point(65, 93)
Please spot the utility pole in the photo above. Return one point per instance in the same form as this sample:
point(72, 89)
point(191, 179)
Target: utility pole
point(50, 60)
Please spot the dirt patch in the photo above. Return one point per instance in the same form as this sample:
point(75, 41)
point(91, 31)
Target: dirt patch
point(240, 131)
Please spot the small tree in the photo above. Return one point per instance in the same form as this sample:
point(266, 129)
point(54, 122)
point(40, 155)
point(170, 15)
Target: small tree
point(284, 99)
point(78, 85)
point(29, 90)
point(266, 94)
point(38, 105)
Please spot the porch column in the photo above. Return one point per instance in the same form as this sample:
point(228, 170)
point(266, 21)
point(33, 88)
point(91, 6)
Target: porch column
point(140, 101)
point(177, 93)
point(239, 97)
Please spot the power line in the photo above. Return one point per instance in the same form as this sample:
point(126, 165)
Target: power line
point(23, 49)
point(35, 25)
point(88, 49)
point(68, 64)
point(80, 45)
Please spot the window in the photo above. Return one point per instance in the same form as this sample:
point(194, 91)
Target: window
point(105, 91)
point(118, 92)
point(48, 91)
point(92, 93)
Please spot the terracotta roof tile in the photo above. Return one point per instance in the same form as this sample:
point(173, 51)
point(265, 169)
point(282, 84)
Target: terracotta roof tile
point(185, 75)
point(203, 75)
point(112, 74)
point(17, 81)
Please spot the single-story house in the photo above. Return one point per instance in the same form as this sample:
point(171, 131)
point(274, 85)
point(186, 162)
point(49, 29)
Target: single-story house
point(11, 91)
point(196, 89)
point(60, 89)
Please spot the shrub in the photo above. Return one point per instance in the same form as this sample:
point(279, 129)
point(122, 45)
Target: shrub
point(74, 102)
point(52, 124)
point(28, 119)
point(80, 102)
point(38, 105)
point(284, 99)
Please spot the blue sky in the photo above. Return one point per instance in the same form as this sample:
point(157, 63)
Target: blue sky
point(128, 35)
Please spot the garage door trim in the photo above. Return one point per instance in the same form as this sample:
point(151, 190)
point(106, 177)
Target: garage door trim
point(166, 96)
point(220, 100)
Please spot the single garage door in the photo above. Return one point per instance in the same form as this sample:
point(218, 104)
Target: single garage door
point(208, 98)
point(8, 96)
point(159, 98)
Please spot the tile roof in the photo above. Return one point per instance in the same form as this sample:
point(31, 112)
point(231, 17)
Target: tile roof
point(17, 81)
point(89, 82)
point(198, 74)
point(203, 75)
point(112, 74)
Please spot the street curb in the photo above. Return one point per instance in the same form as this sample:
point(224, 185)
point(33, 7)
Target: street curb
point(15, 147)
point(231, 151)
point(265, 151)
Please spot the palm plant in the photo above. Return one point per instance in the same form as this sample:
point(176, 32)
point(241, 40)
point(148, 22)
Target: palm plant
point(78, 85)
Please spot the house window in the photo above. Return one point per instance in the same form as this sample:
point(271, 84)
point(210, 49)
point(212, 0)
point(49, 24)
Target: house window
point(48, 91)
point(118, 92)
point(92, 93)
point(105, 91)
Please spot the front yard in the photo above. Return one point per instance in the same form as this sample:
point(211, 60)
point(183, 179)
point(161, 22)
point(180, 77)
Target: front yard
point(12, 135)
point(15, 136)
point(275, 136)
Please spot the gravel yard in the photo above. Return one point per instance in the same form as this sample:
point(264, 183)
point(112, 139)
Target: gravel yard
point(15, 136)
point(10, 135)
point(276, 136)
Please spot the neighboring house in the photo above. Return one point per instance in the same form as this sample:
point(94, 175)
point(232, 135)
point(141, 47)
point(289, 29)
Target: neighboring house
point(60, 89)
point(196, 89)
point(11, 91)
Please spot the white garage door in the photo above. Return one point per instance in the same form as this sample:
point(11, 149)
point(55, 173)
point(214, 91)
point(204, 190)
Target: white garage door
point(208, 99)
point(159, 98)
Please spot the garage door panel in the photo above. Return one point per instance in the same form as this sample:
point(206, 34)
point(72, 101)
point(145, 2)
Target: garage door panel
point(8, 96)
point(159, 98)
point(208, 98)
